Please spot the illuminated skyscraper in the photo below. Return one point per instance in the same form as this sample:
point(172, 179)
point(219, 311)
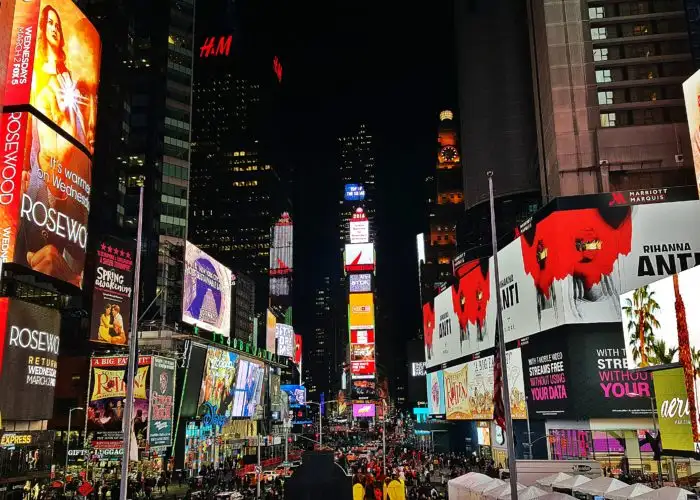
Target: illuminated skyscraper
point(322, 358)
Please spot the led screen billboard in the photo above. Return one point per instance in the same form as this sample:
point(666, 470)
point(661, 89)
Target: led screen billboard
point(297, 349)
point(270, 331)
point(249, 386)
point(661, 323)
point(362, 336)
point(285, 340)
point(363, 410)
point(691, 93)
point(193, 380)
point(364, 389)
point(354, 192)
point(44, 199)
point(359, 227)
point(359, 257)
point(28, 359)
point(217, 393)
point(361, 310)
point(54, 65)
point(206, 293)
point(111, 294)
point(106, 401)
point(673, 407)
point(360, 283)
point(297, 394)
point(162, 408)
point(281, 248)
point(418, 369)
point(436, 392)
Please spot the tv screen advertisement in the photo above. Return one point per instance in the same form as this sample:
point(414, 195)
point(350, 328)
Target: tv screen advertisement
point(360, 283)
point(365, 336)
point(364, 389)
point(106, 401)
point(217, 392)
point(691, 94)
point(160, 420)
point(297, 349)
point(363, 410)
point(359, 257)
point(249, 384)
point(111, 295)
point(354, 192)
point(206, 294)
point(674, 412)
point(270, 331)
point(285, 340)
point(436, 392)
point(361, 311)
point(44, 199)
point(359, 229)
point(297, 394)
point(28, 359)
point(192, 379)
point(54, 66)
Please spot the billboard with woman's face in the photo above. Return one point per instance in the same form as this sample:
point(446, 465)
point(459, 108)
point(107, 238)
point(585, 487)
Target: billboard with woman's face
point(54, 65)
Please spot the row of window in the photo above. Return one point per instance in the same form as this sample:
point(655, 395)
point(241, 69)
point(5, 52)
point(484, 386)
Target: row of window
point(640, 94)
point(634, 8)
point(636, 50)
point(638, 29)
point(643, 72)
point(642, 117)
point(170, 170)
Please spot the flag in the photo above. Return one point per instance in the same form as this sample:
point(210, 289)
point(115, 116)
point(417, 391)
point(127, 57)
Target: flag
point(499, 411)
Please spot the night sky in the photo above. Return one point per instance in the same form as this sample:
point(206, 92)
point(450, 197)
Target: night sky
point(390, 65)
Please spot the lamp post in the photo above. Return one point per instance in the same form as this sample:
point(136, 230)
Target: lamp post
point(65, 471)
point(384, 436)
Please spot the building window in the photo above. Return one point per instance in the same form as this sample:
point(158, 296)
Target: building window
point(596, 13)
point(603, 76)
point(607, 119)
point(599, 33)
point(605, 97)
point(641, 29)
point(600, 54)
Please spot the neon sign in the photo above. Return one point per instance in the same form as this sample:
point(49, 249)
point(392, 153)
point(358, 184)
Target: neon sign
point(277, 68)
point(216, 46)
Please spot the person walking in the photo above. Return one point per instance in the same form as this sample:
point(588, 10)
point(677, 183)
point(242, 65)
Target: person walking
point(358, 491)
point(396, 490)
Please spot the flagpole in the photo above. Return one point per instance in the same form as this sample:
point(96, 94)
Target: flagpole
point(133, 356)
point(502, 350)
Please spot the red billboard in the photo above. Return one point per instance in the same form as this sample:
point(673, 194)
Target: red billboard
point(44, 198)
point(362, 336)
point(297, 348)
point(54, 65)
point(362, 369)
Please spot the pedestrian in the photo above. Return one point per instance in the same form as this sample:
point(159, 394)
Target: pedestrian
point(358, 491)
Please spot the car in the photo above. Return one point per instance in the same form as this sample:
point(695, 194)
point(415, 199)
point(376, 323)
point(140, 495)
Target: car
point(296, 463)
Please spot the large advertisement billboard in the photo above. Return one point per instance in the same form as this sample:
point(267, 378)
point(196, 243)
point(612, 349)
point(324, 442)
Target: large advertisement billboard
point(270, 331)
point(281, 248)
point(54, 65)
point(436, 392)
point(359, 227)
point(361, 311)
point(359, 257)
point(360, 283)
point(285, 340)
point(160, 420)
point(362, 354)
point(217, 393)
point(673, 409)
point(249, 388)
point(29, 348)
point(111, 295)
point(296, 393)
point(661, 323)
point(206, 294)
point(106, 401)
point(567, 267)
point(44, 199)
point(691, 93)
point(363, 410)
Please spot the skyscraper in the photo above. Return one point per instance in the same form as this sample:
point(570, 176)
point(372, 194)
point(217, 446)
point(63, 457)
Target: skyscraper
point(322, 351)
point(609, 102)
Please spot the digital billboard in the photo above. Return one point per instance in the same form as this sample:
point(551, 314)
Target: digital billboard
point(661, 323)
point(297, 349)
point(285, 340)
point(362, 336)
point(162, 410)
point(281, 247)
point(249, 386)
point(360, 283)
point(217, 392)
point(106, 401)
point(29, 349)
point(359, 227)
point(418, 369)
point(359, 257)
point(362, 353)
point(44, 199)
point(436, 392)
point(111, 295)
point(361, 311)
point(354, 192)
point(364, 389)
point(270, 331)
point(297, 394)
point(363, 410)
point(206, 292)
point(691, 94)
point(193, 380)
point(673, 407)
point(54, 65)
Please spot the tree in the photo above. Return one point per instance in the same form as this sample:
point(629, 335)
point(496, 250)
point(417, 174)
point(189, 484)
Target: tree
point(659, 354)
point(640, 313)
point(685, 357)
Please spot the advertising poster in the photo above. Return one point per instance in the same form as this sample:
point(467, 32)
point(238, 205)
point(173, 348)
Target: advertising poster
point(456, 393)
point(111, 296)
point(106, 403)
point(519, 296)
point(354, 192)
point(436, 392)
point(297, 395)
point(160, 421)
point(359, 257)
point(44, 199)
point(270, 331)
point(362, 336)
point(361, 352)
point(359, 227)
point(691, 94)
point(28, 359)
point(275, 392)
point(218, 386)
point(360, 283)
point(673, 410)
point(661, 324)
point(297, 349)
point(441, 331)
point(206, 294)
point(285, 340)
point(363, 410)
point(193, 381)
point(249, 385)
point(54, 65)
point(282, 246)
point(364, 389)
point(361, 310)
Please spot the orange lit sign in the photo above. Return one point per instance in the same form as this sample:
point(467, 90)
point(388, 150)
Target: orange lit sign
point(216, 46)
point(54, 65)
point(361, 310)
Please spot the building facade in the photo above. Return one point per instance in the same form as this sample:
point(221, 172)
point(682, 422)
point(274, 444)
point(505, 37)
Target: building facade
point(322, 353)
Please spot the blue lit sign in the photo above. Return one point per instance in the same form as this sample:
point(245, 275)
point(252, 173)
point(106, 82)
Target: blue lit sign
point(354, 192)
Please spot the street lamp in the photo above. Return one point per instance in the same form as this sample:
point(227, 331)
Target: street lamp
point(65, 471)
point(320, 418)
point(384, 435)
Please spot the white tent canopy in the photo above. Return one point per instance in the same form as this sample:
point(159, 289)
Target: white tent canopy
point(556, 496)
point(630, 491)
point(571, 483)
point(665, 493)
point(477, 490)
point(528, 493)
point(494, 493)
point(600, 486)
point(554, 478)
point(458, 488)
point(506, 491)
